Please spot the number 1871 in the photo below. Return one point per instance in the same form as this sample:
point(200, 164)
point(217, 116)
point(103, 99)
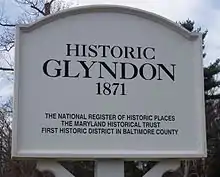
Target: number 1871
point(110, 89)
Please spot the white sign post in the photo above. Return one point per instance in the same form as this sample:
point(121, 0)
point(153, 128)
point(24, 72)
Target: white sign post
point(108, 82)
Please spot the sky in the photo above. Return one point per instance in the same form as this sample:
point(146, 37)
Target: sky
point(206, 14)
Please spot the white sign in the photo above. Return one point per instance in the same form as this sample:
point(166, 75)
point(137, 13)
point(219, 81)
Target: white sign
point(108, 82)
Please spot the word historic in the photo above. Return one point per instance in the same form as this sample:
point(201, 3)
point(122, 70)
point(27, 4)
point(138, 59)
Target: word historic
point(107, 62)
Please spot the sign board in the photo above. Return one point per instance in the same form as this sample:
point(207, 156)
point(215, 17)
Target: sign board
point(108, 81)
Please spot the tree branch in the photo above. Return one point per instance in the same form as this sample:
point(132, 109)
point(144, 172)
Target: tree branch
point(6, 69)
point(37, 9)
point(7, 25)
point(51, 2)
point(213, 97)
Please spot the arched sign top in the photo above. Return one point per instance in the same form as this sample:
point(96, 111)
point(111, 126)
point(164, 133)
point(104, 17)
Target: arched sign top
point(115, 9)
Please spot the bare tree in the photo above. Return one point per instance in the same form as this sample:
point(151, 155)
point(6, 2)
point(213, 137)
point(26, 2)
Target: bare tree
point(31, 10)
point(5, 137)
